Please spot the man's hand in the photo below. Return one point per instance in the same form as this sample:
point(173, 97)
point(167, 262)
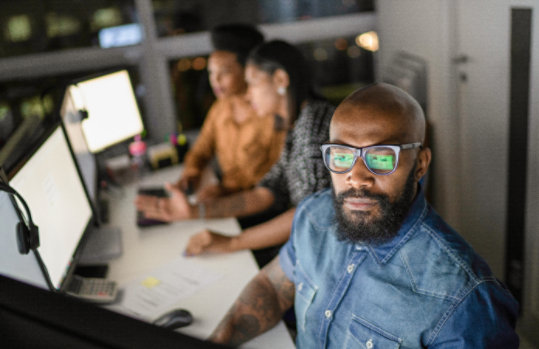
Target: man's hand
point(207, 241)
point(174, 208)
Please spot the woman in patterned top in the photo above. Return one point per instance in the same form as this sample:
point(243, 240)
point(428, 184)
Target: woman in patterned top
point(278, 83)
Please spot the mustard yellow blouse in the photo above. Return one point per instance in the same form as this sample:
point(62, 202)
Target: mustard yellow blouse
point(245, 151)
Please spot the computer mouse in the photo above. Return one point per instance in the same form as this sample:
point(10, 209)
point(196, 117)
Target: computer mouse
point(174, 319)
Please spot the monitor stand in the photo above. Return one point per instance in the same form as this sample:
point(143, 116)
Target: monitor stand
point(103, 244)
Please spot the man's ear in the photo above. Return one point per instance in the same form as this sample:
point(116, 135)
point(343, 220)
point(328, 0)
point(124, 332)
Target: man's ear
point(281, 78)
point(423, 161)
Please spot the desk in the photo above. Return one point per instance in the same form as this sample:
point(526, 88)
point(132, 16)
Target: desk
point(148, 248)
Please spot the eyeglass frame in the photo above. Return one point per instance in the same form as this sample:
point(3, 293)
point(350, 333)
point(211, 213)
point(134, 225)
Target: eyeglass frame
point(359, 152)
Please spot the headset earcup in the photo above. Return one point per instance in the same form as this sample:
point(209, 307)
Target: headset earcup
point(23, 238)
point(33, 236)
point(27, 235)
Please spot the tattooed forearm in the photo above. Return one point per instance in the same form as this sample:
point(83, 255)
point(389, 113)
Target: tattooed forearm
point(251, 326)
point(259, 308)
point(235, 331)
point(247, 327)
point(284, 288)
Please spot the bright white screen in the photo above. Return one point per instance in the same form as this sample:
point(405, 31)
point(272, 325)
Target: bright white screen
point(113, 114)
point(50, 184)
point(122, 35)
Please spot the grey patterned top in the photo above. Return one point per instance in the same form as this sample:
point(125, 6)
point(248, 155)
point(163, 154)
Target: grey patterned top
point(300, 170)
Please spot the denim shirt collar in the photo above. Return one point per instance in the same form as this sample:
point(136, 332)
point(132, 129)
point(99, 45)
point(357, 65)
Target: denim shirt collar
point(383, 252)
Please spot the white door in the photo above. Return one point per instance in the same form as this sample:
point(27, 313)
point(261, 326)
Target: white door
point(483, 41)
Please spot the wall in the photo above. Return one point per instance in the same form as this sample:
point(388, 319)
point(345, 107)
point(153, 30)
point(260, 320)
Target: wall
point(468, 107)
point(421, 27)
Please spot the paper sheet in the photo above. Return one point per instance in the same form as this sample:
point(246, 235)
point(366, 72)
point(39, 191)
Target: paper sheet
point(157, 292)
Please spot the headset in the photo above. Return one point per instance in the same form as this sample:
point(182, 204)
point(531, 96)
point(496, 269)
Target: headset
point(27, 232)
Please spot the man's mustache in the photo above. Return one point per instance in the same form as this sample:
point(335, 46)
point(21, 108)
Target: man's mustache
point(360, 193)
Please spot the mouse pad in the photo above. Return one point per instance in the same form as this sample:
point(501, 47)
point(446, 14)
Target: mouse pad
point(142, 221)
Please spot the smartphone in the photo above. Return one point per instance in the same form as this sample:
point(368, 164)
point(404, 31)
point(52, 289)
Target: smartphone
point(143, 221)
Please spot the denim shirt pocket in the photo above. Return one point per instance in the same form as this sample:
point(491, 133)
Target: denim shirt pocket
point(305, 291)
point(364, 335)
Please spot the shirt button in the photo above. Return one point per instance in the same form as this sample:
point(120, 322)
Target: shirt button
point(369, 344)
point(350, 268)
point(327, 313)
point(300, 286)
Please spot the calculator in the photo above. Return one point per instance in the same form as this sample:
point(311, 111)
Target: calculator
point(97, 290)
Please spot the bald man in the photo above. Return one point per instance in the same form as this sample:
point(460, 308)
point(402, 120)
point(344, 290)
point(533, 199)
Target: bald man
point(369, 263)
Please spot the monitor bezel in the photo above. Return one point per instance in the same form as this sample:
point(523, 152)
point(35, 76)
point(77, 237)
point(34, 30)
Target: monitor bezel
point(94, 204)
point(36, 317)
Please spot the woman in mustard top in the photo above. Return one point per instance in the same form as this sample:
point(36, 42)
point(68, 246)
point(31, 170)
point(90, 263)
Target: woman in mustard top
point(245, 144)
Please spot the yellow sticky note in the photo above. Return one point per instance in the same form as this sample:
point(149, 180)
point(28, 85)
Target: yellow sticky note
point(150, 282)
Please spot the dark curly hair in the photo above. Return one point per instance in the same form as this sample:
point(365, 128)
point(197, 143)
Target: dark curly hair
point(237, 38)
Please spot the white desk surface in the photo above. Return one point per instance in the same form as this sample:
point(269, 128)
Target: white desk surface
point(145, 249)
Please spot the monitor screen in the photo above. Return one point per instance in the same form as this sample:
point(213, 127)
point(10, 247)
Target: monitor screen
point(52, 188)
point(113, 115)
point(122, 35)
point(23, 267)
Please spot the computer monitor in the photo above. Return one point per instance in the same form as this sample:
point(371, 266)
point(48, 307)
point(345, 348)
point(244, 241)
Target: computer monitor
point(71, 118)
point(54, 192)
point(110, 109)
point(35, 318)
point(103, 242)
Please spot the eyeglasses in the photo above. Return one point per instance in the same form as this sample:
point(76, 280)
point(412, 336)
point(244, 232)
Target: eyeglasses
point(379, 159)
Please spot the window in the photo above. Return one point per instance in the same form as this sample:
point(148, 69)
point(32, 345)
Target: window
point(35, 26)
point(18, 28)
point(178, 17)
point(339, 66)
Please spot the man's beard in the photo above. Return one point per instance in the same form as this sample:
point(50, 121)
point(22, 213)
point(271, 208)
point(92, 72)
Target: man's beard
point(363, 228)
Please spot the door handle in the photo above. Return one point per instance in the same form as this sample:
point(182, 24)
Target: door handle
point(461, 59)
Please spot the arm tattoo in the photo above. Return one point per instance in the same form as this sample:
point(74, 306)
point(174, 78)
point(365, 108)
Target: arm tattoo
point(260, 307)
point(285, 289)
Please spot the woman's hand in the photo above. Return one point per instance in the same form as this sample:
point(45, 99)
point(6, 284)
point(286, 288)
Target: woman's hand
point(209, 242)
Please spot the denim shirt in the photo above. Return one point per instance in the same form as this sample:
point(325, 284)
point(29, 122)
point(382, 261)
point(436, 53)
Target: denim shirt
point(426, 288)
